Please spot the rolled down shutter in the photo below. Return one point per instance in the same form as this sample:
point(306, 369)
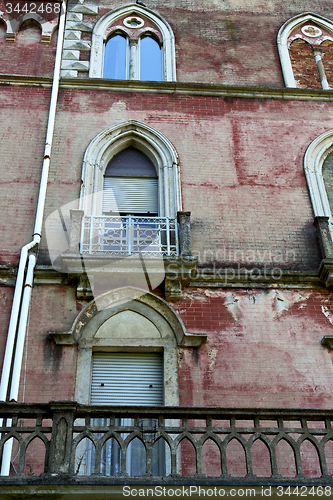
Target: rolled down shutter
point(127, 379)
point(130, 195)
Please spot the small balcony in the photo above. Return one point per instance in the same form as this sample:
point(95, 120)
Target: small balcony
point(63, 443)
point(125, 236)
point(125, 250)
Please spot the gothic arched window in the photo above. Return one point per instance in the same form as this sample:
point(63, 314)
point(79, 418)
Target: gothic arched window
point(135, 60)
point(130, 192)
point(133, 43)
point(305, 45)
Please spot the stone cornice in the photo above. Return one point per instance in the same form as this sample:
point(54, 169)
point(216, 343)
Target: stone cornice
point(256, 278)
point(44, 275)
point(200, 89)
point(208, 277)
point(25, 81)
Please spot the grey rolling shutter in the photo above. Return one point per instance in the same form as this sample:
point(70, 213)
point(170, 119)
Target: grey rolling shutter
point(130, 195)
point(127, 379)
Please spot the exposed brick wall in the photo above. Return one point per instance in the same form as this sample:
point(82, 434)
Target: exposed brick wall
point(304, 65)
point(27, 55)
point(263, 348)
point(23, 124)
point(225, 42)
point(241, 170)
point(241, 167)
point(48, 370)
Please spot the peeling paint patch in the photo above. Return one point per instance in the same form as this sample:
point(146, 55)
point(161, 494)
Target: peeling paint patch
point(212, 353)
point(327, 313)
point(281, 303)
point(232, 304)
point(215, 294)
point(118, 108)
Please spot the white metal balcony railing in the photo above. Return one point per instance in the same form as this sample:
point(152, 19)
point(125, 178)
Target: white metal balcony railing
point(151, 236)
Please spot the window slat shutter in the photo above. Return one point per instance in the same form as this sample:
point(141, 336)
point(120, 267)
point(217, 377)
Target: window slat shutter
point(128, 378)
point(130, 195)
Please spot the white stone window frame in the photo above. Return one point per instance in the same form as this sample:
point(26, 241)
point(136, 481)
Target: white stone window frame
point(99, 39)
point(147, 140)
point(149, 306)
point(314, 159)
point(282, 41)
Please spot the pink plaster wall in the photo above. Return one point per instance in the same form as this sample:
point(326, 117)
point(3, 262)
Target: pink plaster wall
point(263, 348)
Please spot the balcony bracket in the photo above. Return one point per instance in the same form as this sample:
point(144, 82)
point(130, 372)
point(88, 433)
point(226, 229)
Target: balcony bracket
point(178, 273)
point(193, 339)
point(327, 341)
point(62, 338)
point(325, 271)
point(84, 289)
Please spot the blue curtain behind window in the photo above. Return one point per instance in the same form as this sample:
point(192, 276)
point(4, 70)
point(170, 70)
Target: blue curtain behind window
point(151, 59)
point(115, 58)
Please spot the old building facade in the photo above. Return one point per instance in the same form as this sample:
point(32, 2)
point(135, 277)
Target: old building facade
point(166, 244)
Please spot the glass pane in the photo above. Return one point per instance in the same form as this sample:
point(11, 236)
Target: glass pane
point(151, 59)
point(136, 458)
point(115, 58)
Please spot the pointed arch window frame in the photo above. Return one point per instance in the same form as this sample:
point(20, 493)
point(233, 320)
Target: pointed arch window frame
point(148, 305)
point(314, 159)
point(147, 140)
point(282, 41)
point(99, 39)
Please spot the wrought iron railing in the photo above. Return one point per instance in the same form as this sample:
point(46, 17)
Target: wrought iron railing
point(123, 236)
point(204, 444)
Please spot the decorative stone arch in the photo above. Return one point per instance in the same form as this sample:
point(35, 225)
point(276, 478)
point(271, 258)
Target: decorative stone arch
point(314, 159)
point(31, 21)
point(127, 319)
point(282, 41)
point(47, 27)
point(99, 39)
point(146, 139)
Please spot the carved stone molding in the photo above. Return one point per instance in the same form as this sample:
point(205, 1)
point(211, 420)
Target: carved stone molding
point(130, 299)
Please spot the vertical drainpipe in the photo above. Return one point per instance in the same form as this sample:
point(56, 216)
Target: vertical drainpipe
point(20, 308)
